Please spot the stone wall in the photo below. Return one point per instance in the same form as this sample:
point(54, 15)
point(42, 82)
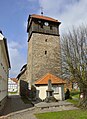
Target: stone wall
point(22, 84)
point(43, 56)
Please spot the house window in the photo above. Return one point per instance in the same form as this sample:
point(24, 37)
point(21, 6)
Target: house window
point(41, 25)
point(56, 89)
point(1, 64)
point(45, 52)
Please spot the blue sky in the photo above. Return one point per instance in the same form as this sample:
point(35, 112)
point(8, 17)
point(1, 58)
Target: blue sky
point(13, 21)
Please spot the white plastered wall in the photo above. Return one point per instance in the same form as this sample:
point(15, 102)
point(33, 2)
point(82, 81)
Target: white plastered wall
point(41, 92)
point(3, 71)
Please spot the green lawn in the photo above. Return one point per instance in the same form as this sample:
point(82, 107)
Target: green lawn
point(75, 102)
point(73, 114)
point(12, 93)
point(75, 94)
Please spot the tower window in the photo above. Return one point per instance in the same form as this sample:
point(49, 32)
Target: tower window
point(41, 25)
point(51, 28)
point(45, 40)
point(45, 52)
point(39, 21)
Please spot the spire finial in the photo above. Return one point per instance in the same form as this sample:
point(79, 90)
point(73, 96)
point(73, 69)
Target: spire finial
point(41, 10)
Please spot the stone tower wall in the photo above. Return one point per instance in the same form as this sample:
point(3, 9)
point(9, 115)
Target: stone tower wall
point(43, 56)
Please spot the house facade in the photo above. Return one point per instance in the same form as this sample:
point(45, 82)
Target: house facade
point(12, 85)
point(57, 87)
point(4, 70)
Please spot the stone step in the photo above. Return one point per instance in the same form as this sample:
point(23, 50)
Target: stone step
point(43, 105)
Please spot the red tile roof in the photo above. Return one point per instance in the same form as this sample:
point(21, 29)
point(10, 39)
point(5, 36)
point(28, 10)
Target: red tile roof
point(14, 79)
point(44, 18)
point(54, 80)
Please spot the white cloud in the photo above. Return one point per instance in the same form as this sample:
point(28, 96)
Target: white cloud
point(25, 25)
point(31, 0)
point(14, 45)
point(16, 58)
point(70, 12)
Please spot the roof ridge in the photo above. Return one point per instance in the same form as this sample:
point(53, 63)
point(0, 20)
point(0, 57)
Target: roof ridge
point(45, 18)
point(54, 79)
point(14, 79)
point(42, 78)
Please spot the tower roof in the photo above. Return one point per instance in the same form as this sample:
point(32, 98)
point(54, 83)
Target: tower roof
point(44, 18)
point(41, 17)
point(54, 80)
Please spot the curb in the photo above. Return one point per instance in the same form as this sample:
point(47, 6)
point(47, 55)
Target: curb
point(14, 113)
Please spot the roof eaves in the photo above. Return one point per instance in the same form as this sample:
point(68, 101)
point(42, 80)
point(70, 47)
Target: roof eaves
point(5, 43)
point(18, 76)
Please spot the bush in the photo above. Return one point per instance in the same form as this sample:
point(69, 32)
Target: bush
point(32, 93)
point(74, 92)
point(67, 94)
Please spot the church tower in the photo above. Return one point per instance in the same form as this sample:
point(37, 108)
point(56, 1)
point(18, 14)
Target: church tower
point(44, 53)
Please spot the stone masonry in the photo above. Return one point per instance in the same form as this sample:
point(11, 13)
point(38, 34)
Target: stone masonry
point(44, 56)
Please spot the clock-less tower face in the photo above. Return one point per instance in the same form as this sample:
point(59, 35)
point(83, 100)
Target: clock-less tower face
point(43, 47)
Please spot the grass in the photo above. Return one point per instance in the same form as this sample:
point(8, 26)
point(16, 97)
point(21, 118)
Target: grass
point(75, 94)
point(75, 97)
point(12, 92)
point(71, 114)
point(75, 102)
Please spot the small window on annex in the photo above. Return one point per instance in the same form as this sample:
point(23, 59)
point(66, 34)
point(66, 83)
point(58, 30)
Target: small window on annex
point(56, 89)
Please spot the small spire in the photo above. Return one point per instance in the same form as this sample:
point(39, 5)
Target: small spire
point(42, 13)
point(41, 10)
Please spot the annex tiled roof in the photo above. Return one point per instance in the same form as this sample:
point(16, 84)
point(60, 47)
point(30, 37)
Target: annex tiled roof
point(43, 17)
point(14, 79)
point(54, 80)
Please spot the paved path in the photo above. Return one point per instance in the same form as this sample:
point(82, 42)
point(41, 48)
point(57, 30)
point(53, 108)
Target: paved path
point(14, 103)
point(30, 113)
point(23, 111)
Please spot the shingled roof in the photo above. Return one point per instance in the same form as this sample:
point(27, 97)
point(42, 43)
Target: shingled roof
point(54, 80)
point(43, 17)
point(14, 79)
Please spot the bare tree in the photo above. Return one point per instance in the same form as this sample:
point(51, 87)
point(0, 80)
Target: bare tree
point(74, 55)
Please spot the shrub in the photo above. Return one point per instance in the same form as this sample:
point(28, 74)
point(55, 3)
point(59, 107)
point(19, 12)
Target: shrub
point(74, 92)
point(67, 94)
